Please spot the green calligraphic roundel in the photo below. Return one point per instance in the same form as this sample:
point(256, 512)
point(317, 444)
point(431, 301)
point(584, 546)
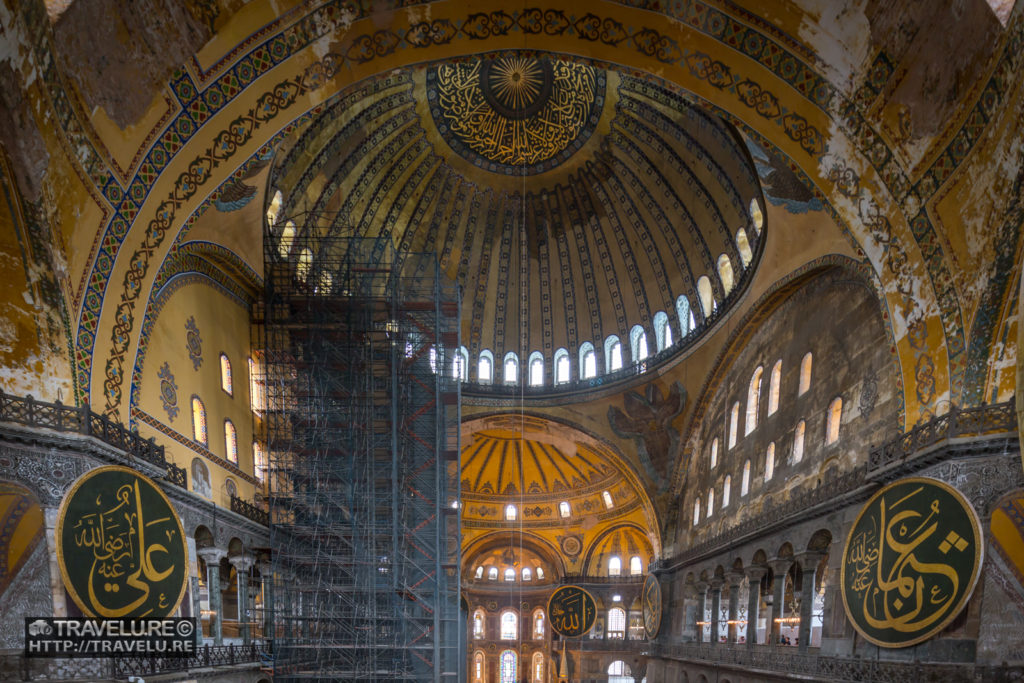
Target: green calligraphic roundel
point(910, 562)
point(120, 546)
point(650, 598)
point(571, 611)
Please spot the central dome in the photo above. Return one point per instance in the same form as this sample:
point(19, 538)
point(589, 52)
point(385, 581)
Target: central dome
point(517, 114)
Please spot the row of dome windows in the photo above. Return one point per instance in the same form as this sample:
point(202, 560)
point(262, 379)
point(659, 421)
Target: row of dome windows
point(832, 422)
point(509, 623)
point(564, 509)
point(636, 568)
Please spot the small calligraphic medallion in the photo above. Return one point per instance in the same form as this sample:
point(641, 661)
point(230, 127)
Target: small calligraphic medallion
point(651, 600)
point(120, 546)
point(571, 611)
point(910, 562)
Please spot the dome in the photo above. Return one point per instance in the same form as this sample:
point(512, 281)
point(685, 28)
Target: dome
point(593, 218)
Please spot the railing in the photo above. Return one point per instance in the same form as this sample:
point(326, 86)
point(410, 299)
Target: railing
point(577, 579)
point(205, 657)
point(57, 416)
point(986, 419)
point(588, 644)
point(250, 511)
point(820, 667)
point(176, 475)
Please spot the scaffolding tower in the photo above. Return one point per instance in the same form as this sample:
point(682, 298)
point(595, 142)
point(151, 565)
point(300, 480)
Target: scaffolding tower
point(361, 419)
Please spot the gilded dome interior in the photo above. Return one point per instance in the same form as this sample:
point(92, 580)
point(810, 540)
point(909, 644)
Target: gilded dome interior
point(574, 205)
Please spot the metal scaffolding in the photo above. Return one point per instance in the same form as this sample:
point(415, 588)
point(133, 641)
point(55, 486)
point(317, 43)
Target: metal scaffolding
point(361, 419)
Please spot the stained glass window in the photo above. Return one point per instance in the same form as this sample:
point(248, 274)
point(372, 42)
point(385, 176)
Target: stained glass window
point(508, 666)
point(230, 442)
point(478, 623)
point(199, 421)
point(225, 374)
point(259, 461)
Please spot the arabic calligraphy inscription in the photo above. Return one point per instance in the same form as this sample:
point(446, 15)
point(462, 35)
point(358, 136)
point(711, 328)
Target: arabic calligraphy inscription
point(571, 611)
point(120, 546)
point(651, 600)
point(910, 562)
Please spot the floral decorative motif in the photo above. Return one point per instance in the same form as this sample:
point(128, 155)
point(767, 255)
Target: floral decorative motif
point(194, 343)
point(168, 391)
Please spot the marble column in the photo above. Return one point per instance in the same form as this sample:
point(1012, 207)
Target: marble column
point(196, 609)
point(716, 607)
point(754, 575)
point(809, 562)
point(212, 557)
point(266, 577)
point(702, 595)
point(242, 564)
point(780, 567)
point(733, 579)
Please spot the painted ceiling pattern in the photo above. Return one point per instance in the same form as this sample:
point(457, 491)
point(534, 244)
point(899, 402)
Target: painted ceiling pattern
point(591, 247)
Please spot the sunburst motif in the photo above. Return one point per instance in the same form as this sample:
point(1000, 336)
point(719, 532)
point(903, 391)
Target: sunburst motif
point(515, 81)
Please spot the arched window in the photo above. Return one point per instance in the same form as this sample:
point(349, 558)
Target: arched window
point(696, 512)
point(714, 452)
point(753, 400)
point(509, 625)
point(540, 573)
point(743, 244)
point(662, 331)
point(511, 366)
point(478, 667)
point(225, 374)
point(510, 574)
point(734, 423)
point(805, 374)
point(614, 566)
point(230, 442)
point(563, 509)
point(707, 296)
point(745, 483)
point(726, 491)
point(711, 503)
point(616, 623)
point(607, 496)
point(636, 566)
point(588, 361)
point(769, 462)
point(561, 366)
point(835, 414)
point(725, 273)
point(274, 208)
point(256, 397)
point(773, 387)
point(798, 441)
point(199, 421)
point(508, 667)
point(478, 623)
point(638, 343)
point(259, 462)
point(613, 353)
point(685, 315)
point(461, 364)
point(527, 574)
point(510, 513)
point(485, 367)
point(756, 217)
point(284, 246)
point(538, 624)
point(538, 667)
point(536, 369)
point(619, 672)
point(492, 574)
point(479, 572)
point(432, 356)
point(304, 265)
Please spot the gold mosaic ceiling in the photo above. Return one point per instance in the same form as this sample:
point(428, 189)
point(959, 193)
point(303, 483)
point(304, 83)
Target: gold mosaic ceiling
point(570, 202)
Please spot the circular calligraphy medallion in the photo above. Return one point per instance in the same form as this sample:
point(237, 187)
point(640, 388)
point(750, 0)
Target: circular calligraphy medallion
point(517, 113)
point(911, 561)
point(650, 598)
point(120, 546)
point(571, 611)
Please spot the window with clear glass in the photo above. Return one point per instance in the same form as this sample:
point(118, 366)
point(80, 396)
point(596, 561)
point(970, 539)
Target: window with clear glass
point(538, 624)
point(275, 208)
point(510, 513)
point(588, 361)
point(225, 374)
point(510, 574)
point(769, 462)
point(745, 483)
point(536, 369)
point(726, 491)
point(714, 452)
point(478, 623)
point(725, 273)
point(259, 462)
point(478, 667)
point(711, 502)
point(561, 366)
point(835, 414)
point(485, 367)
point(284, 246)
point(527, 574)
point(479, 572)
point(616, 623)
point(661, 327)
point(619, 672)
point(734, 423)
point(607, 496)
point(511, 368)
point(509, 625)
point(613, 353)
point(805, 374)
point(492, 573)
point(773, 387)
point(563, 509)
point(614, 566)
point(199, 421)
point(743, 245)
point(706, 295)
point(540, 573)
point(638, 343)
point(538, 667)
point(798, 441)
point(230, 442)
point(462, 363)
point(304, 265)
point(685, 315)
point(756, 217)
point(696, 512)
point(753, 400)
point(636, 566)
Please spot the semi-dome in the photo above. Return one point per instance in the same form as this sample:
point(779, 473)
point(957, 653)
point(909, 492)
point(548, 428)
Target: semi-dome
point(593, 218)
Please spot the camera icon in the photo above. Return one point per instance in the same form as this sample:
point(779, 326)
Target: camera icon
point(39, 627)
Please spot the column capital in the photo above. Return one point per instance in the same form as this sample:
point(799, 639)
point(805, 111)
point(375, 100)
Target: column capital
point(810, 558)
point(780, 565)
point(716, 582)
point(212, 555)
point(734, 577)
point(755, 572)
point(701, 586)
point(242, 563)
